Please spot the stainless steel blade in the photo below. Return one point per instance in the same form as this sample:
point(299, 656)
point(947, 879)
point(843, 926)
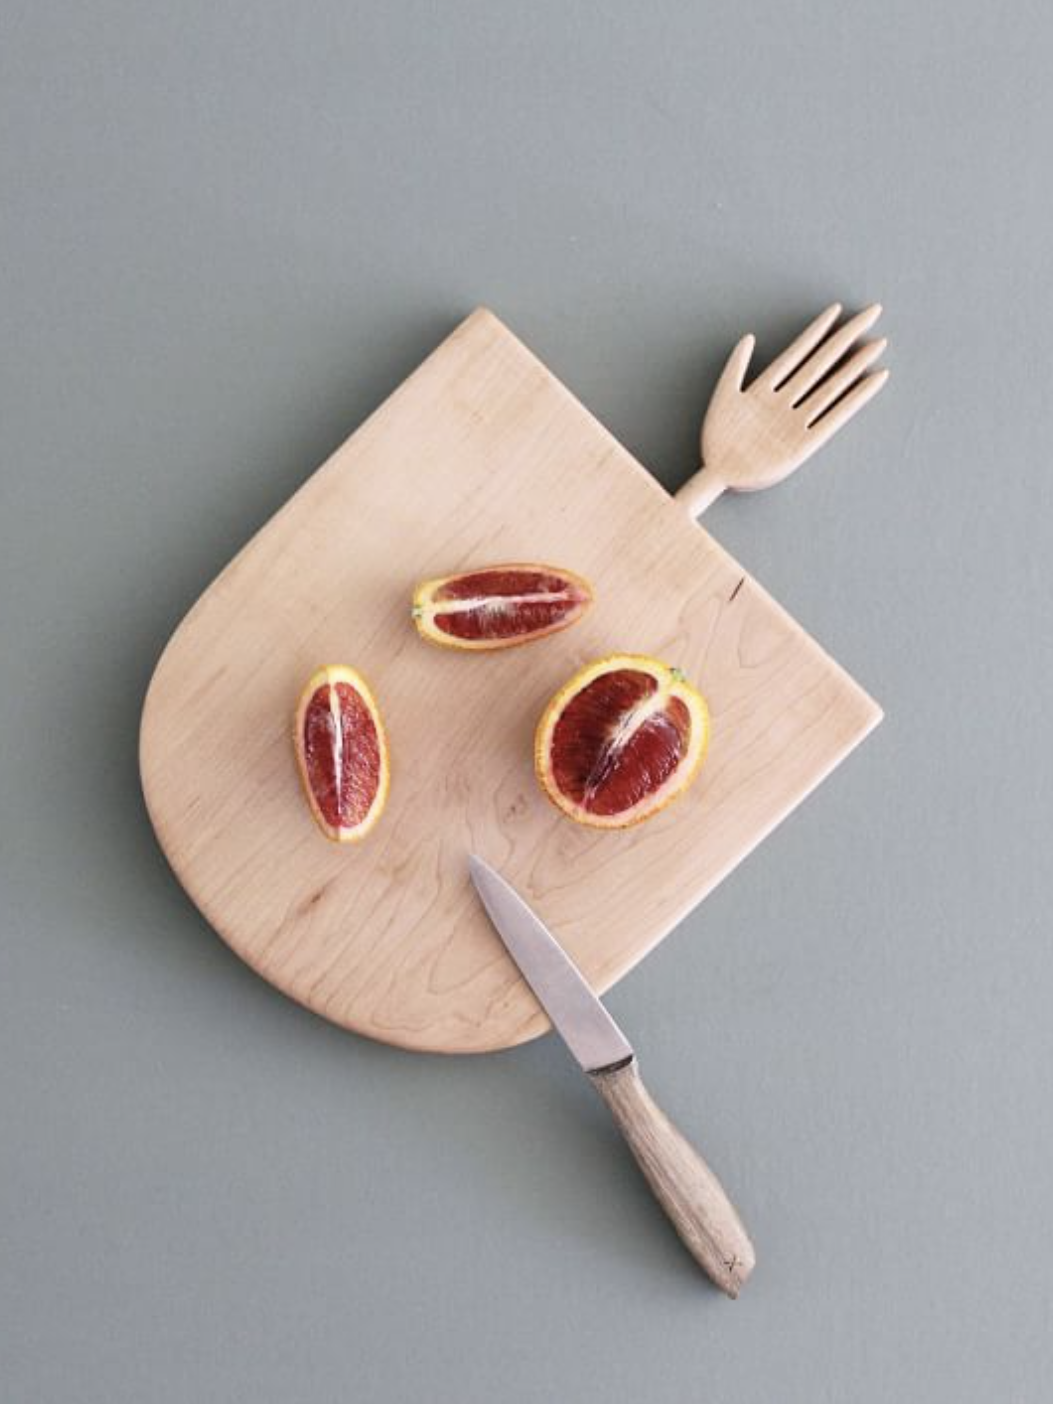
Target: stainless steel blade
point(577, 1014)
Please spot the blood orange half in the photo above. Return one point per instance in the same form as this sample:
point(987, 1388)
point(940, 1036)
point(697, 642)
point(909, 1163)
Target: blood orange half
point(342, 753)
point(499, 606)
point(624, 737)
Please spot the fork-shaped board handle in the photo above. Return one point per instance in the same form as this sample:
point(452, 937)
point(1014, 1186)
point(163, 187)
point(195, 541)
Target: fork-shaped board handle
point(701, 491)
point(754, 436)
point(684, 1185)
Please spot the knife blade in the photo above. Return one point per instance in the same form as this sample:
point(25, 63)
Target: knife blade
point(682, 1182)
point(576, 1013)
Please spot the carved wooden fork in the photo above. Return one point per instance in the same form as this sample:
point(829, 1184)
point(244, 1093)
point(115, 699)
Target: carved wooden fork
point(754, 437)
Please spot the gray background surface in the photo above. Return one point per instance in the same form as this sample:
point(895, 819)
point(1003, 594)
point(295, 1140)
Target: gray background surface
point(228, 231)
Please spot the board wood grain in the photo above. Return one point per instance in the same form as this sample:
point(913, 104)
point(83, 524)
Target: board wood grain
point(480, 456)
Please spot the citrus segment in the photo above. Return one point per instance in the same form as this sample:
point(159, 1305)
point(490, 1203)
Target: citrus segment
point(499, 606)
point(624, 737)
point(342, 753)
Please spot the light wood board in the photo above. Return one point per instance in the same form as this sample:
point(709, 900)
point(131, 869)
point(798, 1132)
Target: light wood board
point(480, 456)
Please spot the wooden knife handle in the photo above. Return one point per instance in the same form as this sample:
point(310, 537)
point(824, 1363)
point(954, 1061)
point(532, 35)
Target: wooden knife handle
point(682, 1182)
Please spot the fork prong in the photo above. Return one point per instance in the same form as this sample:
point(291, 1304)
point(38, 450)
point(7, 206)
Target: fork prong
point(829, 353)
point(734, 372)
point(787, 362)
point(826, 427)
point(842, 379)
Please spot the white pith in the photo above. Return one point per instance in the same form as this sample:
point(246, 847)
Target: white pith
point(338, 749)
point(496, 603)
point(627, 727)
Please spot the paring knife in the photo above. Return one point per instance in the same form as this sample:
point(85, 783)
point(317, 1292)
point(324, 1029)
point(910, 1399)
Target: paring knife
point(682, 1182)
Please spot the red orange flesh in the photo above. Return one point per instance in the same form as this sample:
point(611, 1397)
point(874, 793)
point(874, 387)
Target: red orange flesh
point(499, 606)
point(342, 753)
point(620, 740)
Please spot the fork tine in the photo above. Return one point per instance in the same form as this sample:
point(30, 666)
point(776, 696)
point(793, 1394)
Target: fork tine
point(842, 379)
point(826, 427)
point(829, 353)
point(785, 364)
point(734, 372)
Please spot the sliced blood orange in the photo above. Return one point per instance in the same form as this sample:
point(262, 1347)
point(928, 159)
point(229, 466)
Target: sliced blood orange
point(499, 606)
point(624, 737)
point(342, 753)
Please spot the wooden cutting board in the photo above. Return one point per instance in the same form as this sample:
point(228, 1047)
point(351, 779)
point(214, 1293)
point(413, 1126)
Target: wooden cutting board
point(480, 456)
